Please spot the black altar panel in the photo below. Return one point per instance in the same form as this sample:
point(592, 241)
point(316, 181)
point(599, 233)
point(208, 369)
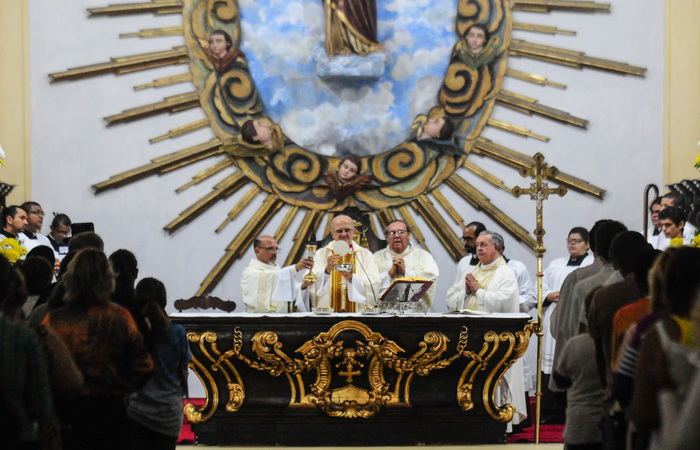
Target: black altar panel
point(352, 379)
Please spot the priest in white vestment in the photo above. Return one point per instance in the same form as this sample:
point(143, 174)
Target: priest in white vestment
point(552, 280)
point(401, 259)
point(341, 290)
point(491, 286)
point(268, 288)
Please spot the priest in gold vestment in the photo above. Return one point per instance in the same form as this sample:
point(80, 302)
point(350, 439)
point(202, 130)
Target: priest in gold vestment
point(344, 291)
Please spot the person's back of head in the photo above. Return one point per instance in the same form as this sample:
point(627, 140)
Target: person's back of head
point(641, 268)
point(625, 248)
point(12, 291)
point(150, 300)
point(682, 280)
point(125, 266)
point(86, 239)
point(593, 231)
point(37, 274)
point(89, 279)
point(43, 251)
point(604, 236)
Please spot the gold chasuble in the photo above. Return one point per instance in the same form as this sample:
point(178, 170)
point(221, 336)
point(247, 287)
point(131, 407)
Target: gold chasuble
point(339, 287)
point(333, 291)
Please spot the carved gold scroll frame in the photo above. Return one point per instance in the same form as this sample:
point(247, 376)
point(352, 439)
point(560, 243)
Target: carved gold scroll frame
point(367, 359)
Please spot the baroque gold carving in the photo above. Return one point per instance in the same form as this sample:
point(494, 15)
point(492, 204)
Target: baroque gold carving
point(346, 359)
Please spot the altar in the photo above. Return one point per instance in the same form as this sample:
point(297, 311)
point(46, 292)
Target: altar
point(352, 379)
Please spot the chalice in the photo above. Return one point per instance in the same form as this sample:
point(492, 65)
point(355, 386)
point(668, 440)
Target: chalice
point(310, 277)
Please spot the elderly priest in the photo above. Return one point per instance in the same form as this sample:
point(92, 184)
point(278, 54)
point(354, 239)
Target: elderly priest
point(266, 287)
point(357, 284)
point(402, 259)
point(491, 286)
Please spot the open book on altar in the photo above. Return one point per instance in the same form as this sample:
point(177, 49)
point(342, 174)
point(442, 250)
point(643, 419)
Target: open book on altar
point(406, 290)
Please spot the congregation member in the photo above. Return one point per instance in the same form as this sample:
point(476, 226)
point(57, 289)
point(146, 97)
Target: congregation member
point(341, 290)
point(402, 259)
point(672, 222)
point(25, 393)
point(570, 314)
point(59, 234)
point(155, 412)
point(667, 361)
point(107, 348)
point(624, 252)
point(31, 233)
point(578, 245)
point(674, 199)
point(491, 286)
point(14, 219)
point(268, 288)
point(654, 229)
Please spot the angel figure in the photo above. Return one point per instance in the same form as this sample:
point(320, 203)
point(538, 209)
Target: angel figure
point(347, 179)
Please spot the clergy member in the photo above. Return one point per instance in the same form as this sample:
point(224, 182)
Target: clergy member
point(401, 259)
point(343, 291)
point(267, 288)
point(491, 286)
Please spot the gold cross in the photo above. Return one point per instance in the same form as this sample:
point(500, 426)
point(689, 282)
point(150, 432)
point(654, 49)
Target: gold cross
point(539, 191)
point(349, 373)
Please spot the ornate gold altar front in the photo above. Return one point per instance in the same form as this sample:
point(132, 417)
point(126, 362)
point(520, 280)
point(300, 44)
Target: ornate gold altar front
point(352, 379)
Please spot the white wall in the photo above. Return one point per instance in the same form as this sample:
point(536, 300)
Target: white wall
point(72, 149)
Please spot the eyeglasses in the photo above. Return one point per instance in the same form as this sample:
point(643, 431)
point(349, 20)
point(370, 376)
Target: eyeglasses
point(399, 232)
point(467, 239)
point(343, 231)
point(574, 241)
point(38, 212)
point(271, 249)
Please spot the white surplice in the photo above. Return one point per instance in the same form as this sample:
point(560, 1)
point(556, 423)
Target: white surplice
point(418, 263)
point(268, 288)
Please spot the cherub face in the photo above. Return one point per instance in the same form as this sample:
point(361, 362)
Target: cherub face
point(347, 172)
point(262, 130)
point(432, 128)
point(476, 39)
point(217, 45)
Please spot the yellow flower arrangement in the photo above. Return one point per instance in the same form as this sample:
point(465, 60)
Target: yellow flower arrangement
point(697, 162)
point(696, 240)
point(676, 242)
point(12, 250)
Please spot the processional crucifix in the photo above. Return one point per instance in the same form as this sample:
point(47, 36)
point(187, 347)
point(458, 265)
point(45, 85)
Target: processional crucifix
point(539, 191)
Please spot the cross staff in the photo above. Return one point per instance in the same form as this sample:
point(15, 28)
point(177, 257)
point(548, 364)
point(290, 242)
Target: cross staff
point(539, 191)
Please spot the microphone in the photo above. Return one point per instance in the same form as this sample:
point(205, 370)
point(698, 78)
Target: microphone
point(376, 303)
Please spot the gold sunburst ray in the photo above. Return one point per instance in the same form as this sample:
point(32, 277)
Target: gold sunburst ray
point(309, 224)
point(174, 103)
point(161, 165)
point(517, 160)
point(385, 217)
point(125, 64)
point(447, 206)
point(479, 201)
point(515, 129)
point(449, 240)
point(166, 81)
point(545, 29)
point(530, 106)
point(252, 229)
point(238, 208)
point(546, 6)
point(153, 7)
point(486, 176)
point(220, 191)
point(181, 130)
point(154, 32)
point(206, 174)
point(571, 58)
point(533, 78)
point(286, 222)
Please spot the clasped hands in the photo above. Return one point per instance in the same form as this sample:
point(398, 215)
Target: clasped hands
point(470, 284)
point(331, 262)
point(398, 267)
